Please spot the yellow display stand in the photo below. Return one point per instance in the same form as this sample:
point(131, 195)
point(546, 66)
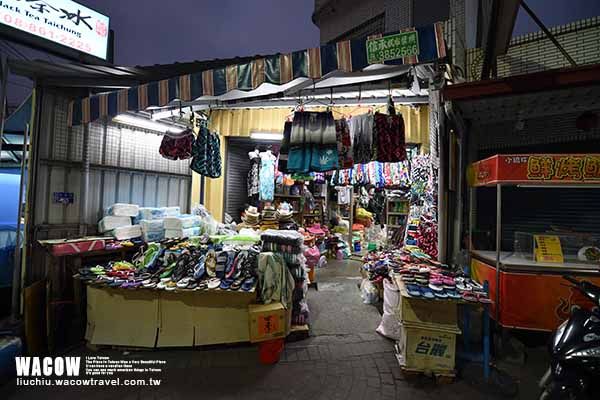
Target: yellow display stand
point(156, 318)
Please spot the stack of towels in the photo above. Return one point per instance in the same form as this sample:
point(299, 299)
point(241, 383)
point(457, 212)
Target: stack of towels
point(183, 226)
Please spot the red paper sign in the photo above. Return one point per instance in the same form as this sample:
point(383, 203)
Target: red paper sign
point(268, 324)
point(537, 168)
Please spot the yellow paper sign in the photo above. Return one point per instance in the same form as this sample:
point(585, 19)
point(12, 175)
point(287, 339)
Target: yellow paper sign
point(548, 249)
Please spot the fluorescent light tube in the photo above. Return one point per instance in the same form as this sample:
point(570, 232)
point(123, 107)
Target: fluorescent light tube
point(266, 136)
point(131, 120)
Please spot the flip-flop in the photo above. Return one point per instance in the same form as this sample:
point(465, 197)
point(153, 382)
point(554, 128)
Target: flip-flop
point(202, 285)
point(183, 283)
point(413, 290)
point(161, 285)
point(452, 294)
point(441, 295)
point(170, 286)
point(116, 282)
point(483, 298)
point(470, 297)
point(426, 292)
point(248, 284)
point(225, 284)
point(237, 284)
point(200, 268)
point(213, 283)
point(192, 285)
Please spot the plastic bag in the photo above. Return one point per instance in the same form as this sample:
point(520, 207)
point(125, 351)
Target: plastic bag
point(369, 292)
point(389, 325)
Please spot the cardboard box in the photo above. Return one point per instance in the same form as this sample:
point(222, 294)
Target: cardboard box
point(433, 313)
point(267, 321)
point(424, 349)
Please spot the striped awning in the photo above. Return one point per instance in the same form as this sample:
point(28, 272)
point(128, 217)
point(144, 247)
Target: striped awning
point(279, 69)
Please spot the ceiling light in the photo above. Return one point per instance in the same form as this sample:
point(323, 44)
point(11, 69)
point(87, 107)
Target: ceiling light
point(266, 136)
point(138, 122)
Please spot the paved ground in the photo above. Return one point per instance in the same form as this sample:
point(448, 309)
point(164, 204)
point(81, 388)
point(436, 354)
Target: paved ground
point(343, 359)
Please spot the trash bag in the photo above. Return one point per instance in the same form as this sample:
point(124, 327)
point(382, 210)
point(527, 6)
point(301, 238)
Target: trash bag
point(369, 292)
point(389, 325)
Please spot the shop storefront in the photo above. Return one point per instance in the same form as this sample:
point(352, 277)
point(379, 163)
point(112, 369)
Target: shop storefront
point(531, 182)
point(181, 212)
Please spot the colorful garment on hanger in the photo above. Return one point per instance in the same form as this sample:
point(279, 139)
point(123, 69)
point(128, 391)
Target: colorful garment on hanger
point(344, 144)
point(267, 176)
point(389, 133)
point(313, 127)
point(313, 143)
point(361, 130)
point(206, 151)
point(214, 156)
point(253, 173)
point(177, 146)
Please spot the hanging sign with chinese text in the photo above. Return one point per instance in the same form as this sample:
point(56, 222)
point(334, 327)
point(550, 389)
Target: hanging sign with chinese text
point(392, 47)
point(536, 169)
point(62, 22)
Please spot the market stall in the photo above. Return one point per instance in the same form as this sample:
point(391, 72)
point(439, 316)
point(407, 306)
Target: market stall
point(345, 107)
point(526, 283)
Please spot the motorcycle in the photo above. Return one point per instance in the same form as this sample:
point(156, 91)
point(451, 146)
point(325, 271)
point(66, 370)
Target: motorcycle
point(574, 371)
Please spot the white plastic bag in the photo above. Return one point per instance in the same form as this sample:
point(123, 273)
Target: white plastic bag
point(389, 325)
point(369, 292)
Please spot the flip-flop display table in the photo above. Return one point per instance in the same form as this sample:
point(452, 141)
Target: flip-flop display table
point(428, 329)
point(159, 318)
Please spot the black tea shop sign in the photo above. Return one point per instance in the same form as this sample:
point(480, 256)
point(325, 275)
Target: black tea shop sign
point(392, 47)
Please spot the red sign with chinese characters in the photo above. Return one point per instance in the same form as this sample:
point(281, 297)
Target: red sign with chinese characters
point(537, 169)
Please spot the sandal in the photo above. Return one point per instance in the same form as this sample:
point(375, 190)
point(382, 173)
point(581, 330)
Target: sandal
point(225, 284)
point(213, 283)
point(248, 284)
point(413, 290)
point(426, 292)
point(237, 284)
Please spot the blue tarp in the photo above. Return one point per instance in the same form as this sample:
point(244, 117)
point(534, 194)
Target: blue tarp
point(16, 122)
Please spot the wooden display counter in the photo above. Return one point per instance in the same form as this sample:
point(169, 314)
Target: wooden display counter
point(158, 318)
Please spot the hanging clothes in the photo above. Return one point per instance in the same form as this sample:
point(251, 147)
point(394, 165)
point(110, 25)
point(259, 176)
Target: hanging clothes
point(253, 173)
point(388, 131)
point(214, 156)
point(344, 144)
point(177, 146)
point(200, 152)
point(361, 130)
point(344, 194)
point(285, 147)
point(267, 176)
point(313, 143)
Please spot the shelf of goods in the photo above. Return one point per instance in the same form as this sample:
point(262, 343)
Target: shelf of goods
point(397, 210)
point(526, 285)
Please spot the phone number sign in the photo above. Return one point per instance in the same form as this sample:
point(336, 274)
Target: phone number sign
point(64, 22)
point(392, 47)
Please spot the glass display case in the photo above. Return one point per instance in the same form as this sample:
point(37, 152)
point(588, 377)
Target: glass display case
point(556, 249)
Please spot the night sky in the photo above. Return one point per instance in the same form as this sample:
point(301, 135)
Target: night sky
point(161, 32)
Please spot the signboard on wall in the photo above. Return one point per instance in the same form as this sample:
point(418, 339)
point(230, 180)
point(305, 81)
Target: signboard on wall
point(537, 169)
point(56, 24)
point(392, 47)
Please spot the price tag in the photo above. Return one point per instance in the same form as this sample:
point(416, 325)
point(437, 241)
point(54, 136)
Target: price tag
point(548, 249)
